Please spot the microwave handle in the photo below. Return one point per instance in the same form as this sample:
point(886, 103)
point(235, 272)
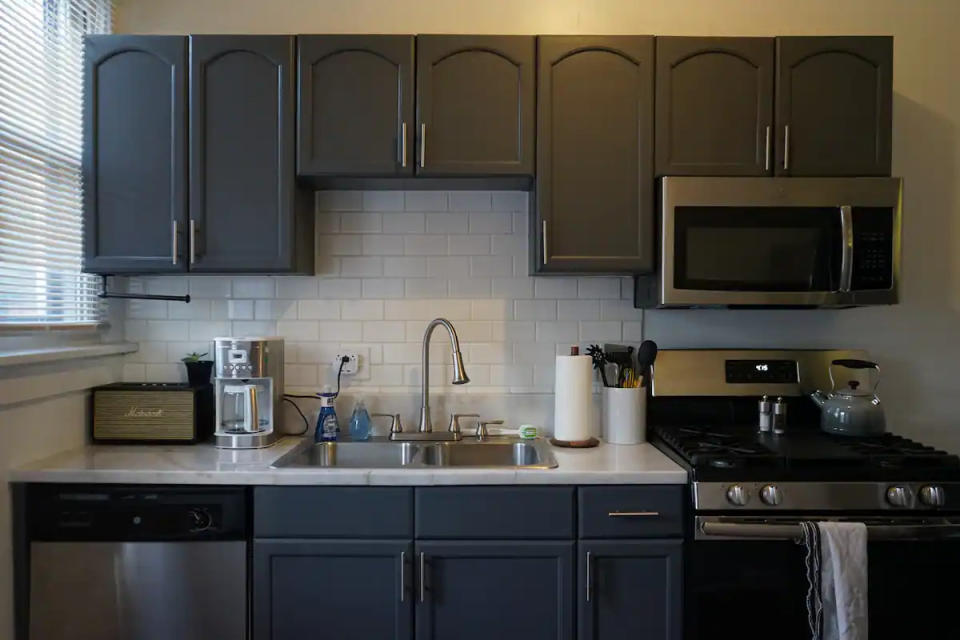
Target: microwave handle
point(846, 259)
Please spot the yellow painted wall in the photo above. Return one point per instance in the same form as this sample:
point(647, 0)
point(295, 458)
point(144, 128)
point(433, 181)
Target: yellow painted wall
point(917, 342)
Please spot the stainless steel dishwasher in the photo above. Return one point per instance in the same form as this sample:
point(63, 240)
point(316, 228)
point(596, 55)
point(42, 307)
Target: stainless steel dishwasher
point(137, 563)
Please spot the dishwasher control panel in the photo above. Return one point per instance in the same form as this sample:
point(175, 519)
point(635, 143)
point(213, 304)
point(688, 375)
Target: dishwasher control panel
point(139, 513)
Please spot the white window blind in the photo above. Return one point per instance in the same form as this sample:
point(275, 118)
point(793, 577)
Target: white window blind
point(41, 83)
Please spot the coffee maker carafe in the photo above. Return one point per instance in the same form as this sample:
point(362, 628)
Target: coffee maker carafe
point(248, 383)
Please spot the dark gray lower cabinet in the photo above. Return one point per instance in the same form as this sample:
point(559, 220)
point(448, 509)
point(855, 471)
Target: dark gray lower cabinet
point(332, 590)
point(494, 590)
point(630, 590)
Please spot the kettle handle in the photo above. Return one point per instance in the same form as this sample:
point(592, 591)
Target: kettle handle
point(852, 363)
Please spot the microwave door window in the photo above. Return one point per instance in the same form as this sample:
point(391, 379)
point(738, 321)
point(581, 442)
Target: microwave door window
point(757, 249)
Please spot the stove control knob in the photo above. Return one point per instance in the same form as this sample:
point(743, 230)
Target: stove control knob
point(199, 519)
point(898, 496)
point(932, 496)
point(737, 495)
point(771, 495)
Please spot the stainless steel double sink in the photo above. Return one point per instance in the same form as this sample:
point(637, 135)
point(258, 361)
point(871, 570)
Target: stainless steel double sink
point(496, 452)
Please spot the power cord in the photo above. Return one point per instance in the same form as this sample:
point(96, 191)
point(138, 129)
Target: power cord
point(306, 423)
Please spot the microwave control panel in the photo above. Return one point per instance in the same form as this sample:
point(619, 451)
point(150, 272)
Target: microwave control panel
point(872, 248)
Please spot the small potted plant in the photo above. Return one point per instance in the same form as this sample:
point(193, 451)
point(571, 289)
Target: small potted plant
point(198, 369)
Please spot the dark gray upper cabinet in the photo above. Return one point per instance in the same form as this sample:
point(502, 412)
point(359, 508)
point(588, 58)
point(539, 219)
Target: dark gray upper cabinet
point(475, 105)
point(594, 186)
point(497, 589)
point(332, 589)
point(630, 590)
point(834, 105)
point(246, 213)
point(355, 112)
point(714, 108)
point(134, 154)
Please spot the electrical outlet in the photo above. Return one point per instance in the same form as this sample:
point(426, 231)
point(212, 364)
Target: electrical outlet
point(350, 367)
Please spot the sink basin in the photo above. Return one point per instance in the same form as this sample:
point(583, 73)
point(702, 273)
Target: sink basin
point(350, 455)
point(496, 453)
point(488, 454)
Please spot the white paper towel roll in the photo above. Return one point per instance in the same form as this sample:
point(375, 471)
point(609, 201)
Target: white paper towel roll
point(571, 400)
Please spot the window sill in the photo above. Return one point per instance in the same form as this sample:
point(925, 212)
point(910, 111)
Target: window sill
point(56, 354)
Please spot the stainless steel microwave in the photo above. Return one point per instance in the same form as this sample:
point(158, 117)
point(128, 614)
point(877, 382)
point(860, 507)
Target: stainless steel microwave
point(776, 242)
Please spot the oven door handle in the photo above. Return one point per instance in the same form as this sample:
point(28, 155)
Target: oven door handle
point(738, 530)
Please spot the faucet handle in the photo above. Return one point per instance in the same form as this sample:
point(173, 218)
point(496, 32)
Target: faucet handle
point(395, 426)
point(454, 426)
point(482, 428)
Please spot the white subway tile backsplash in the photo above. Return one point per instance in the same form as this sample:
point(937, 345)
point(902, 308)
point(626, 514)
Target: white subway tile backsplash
point(361, 222)
point(383, 200)
point(425, 245)
point(253, 287)
point(470, 200)
point(388, 262)
point(404, 223)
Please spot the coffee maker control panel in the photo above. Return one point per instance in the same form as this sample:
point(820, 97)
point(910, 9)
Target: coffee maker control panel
point(237, 364)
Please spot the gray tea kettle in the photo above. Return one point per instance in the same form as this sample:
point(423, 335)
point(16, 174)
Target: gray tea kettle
point(852, 408)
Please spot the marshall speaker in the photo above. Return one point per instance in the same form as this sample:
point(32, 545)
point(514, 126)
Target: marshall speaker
point(152, 413)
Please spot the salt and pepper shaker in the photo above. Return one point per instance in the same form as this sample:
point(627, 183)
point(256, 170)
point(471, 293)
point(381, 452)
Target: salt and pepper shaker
point(766, 415)
point(779, 417)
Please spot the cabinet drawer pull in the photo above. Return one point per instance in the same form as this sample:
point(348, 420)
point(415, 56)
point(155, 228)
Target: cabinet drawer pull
point(786, 147)
point(634, 514)
point(193, 241)
point(589, 579)
point(175, 249)
point(544, 243)
point(403, 574)
point(423, 593)
point(423, 144)
point(403, 145)
point(766, 151)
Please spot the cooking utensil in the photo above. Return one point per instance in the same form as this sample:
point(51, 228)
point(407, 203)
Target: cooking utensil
point(622, 357)
point(646, 355)
point(599, 361)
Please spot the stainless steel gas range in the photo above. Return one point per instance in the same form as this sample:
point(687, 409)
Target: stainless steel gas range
point(744, 572)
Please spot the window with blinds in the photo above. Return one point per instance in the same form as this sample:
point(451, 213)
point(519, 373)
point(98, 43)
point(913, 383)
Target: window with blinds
point(41, 80)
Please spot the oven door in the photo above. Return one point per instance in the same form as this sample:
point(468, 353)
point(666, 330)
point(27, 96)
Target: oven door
point(778, 242)
point(745, 579)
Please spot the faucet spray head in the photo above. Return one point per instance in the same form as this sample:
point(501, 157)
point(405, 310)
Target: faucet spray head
point(459, 373)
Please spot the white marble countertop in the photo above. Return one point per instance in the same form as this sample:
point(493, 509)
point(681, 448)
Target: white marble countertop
point(205, 464)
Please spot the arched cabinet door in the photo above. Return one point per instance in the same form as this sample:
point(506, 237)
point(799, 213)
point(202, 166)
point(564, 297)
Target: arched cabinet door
point(834, 105)
point(246, 213)
point(475, 105)
point(714, 106)
point(594, 186)
point(134, 154)
point(355, 113)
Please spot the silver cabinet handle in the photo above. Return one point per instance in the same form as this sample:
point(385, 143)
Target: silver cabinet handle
point(403, 574)
point(403, 144)
point(175, 249)
point(589, 578)
point(634, 514)
point(846, 257)
point(423, 572)
point(193, 241)
point(766, 151)
point(786, 147)
point(544, 243)
point(423, 144)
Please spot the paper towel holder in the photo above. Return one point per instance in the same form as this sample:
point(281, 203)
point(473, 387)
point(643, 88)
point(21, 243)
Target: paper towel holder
point(575, 444)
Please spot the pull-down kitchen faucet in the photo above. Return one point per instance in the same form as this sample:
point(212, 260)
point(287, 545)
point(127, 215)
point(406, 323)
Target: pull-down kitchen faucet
point(459, 373)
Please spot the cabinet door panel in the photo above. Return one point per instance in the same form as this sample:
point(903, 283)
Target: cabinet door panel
point(835, 93)
point(475, 97)
point(630, 590)
point(134, 158)
point(594, 155)
point(714, 106)
point(242, 185)
point(355, 103)
point(502, 590)
point(331, 590)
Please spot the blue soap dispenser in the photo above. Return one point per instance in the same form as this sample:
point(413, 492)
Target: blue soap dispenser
point(327, 425)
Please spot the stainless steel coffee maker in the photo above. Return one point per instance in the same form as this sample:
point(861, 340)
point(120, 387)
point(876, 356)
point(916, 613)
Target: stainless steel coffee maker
point(248, 383)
